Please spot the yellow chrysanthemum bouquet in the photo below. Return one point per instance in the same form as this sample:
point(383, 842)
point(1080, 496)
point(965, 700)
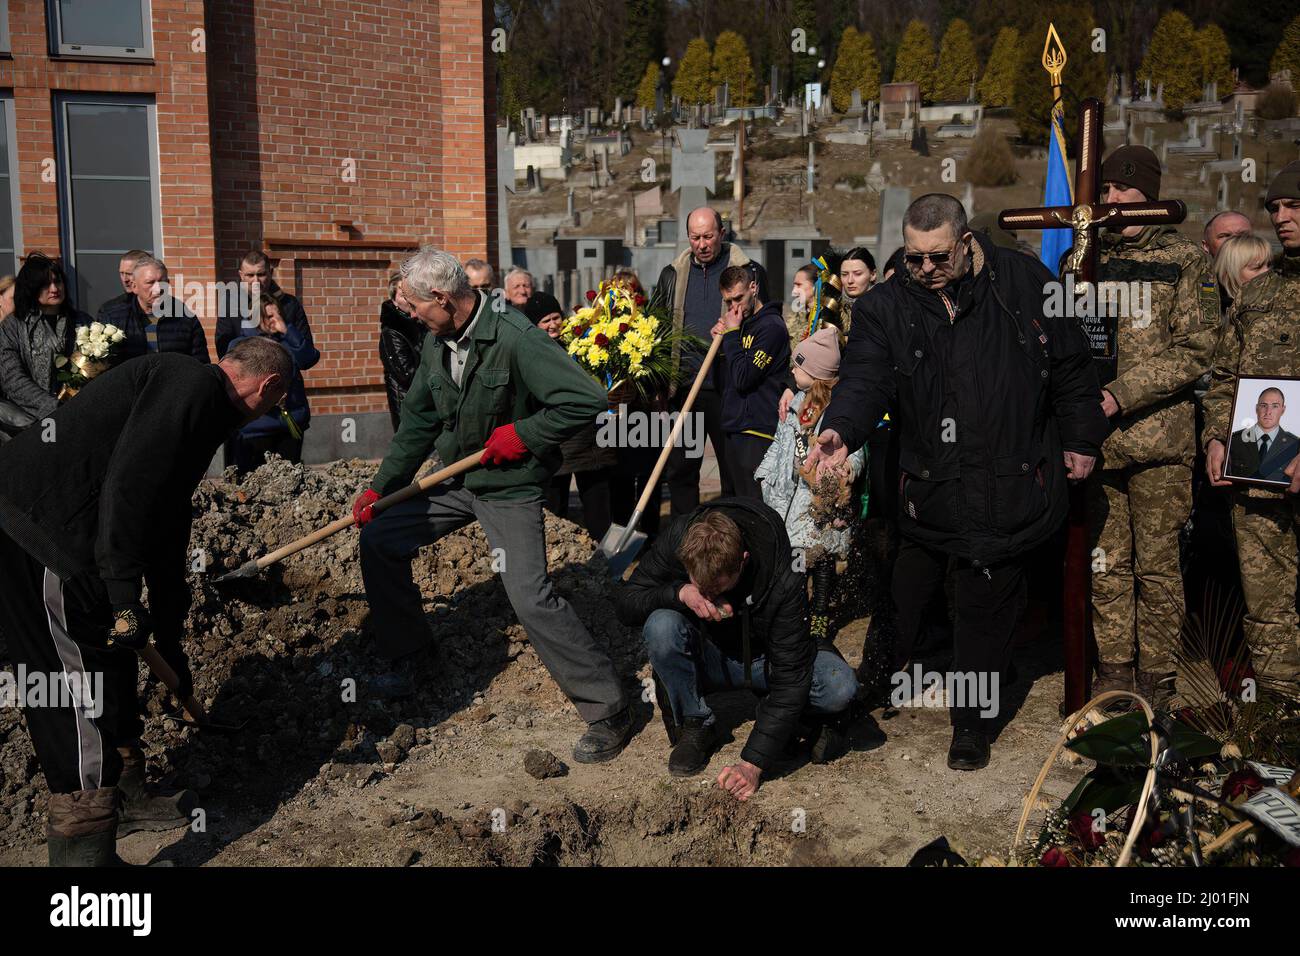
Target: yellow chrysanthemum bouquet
point(620, 342)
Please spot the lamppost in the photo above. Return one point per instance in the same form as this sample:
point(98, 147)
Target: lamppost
point(663, 93)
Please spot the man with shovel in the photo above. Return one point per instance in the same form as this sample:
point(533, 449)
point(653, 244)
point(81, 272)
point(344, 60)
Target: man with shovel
point(95, 501)
point(487, 379)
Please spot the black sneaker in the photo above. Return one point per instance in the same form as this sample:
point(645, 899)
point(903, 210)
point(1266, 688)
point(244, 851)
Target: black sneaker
point(969, 750)
point(695, 743)
point(604, 739)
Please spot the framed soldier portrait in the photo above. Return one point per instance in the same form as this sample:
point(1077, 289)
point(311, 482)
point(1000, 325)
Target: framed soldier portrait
point(1265, 431)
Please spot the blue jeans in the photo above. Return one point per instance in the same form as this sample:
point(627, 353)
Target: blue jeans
point(690, 666)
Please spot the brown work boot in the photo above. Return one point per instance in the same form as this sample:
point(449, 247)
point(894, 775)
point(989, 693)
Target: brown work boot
point(1113, 677)
point(1157, 687)
point(144, 808)
point(82, 828)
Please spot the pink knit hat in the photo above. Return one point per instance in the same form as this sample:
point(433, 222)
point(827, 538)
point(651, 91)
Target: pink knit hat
point(819, 354)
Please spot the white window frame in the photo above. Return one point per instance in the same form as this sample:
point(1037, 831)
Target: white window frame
point(67, 236)
point(59, 48)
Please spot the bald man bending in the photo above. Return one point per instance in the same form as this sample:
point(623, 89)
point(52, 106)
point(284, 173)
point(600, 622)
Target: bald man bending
point(689, 287)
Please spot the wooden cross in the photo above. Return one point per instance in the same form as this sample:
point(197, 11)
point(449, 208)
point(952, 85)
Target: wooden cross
point(1085, 217)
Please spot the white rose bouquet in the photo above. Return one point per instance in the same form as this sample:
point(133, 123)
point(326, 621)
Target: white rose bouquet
point(94, 348)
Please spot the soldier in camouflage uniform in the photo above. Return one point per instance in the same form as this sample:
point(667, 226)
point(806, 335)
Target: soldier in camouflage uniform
point(1263, 340)
point(1144, 496)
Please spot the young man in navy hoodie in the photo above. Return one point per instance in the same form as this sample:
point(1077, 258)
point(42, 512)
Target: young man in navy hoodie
point(755, 367)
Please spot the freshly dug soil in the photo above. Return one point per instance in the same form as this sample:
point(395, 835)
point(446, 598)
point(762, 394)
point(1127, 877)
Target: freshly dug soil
point(327, 773)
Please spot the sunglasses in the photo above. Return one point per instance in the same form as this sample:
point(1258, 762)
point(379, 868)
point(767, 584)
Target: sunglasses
point(936, 258)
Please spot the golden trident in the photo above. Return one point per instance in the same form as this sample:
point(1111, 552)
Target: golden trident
point(1054, 59)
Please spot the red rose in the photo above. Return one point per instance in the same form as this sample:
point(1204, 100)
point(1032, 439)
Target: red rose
point(1232, 676)
point(591, 295)
point(601, 339)
point(1054, 857)
point(640, 299)
point(1082, 825)
point(623, 327)
point(580, 331)
point(1241, 783)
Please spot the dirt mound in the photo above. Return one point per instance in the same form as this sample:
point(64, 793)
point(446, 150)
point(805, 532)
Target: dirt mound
point(287, 651)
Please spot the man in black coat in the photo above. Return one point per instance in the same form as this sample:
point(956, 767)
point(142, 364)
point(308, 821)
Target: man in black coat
point(688, 288)
point(401, 338)
point(721, 606)
point(152, 318)
point(996, 405)
point(95, 502)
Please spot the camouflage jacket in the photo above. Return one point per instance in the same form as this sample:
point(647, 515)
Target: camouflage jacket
point(1161, 354)
point(1262, 339)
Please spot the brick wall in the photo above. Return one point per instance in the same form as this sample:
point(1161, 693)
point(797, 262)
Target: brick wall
point(254, 129)
point(370, 113)
point(177, 79)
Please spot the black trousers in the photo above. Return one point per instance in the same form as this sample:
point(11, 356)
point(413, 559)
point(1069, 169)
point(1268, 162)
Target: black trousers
point(683, 471)
point(250, 453)
point(593, 492)
point(744, 455)
point(56, 632)
point(627, 483)
point(988, 604)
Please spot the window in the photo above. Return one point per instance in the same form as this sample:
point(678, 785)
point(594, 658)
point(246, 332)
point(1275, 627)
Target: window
point(11, 233)
point(108, 189)
point(117, 28)
point(5, 45)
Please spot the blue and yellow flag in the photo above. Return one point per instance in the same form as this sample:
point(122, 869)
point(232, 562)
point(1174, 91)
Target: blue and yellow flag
point(1057, 191)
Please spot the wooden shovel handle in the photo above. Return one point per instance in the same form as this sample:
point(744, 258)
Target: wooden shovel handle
point(397, 497)
point(163, 671)
point(652, 486)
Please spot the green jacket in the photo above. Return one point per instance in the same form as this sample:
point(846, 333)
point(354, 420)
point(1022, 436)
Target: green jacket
point(514, 374)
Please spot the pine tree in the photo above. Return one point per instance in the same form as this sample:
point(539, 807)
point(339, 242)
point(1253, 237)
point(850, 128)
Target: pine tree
point(693, 83)
point(915, 60)
point(1287, 55)
point(731, 65)
point(997, 85)
point(1174, 59)
point(643, 39)
point(1216, 66)
point(855, 69)
point(1085, 73)
point(645, 91)
point(803, 15)
point(957, 63)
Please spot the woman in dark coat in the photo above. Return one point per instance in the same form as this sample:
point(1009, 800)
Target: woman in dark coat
point(584, 459)
point(43, 327)
point(400, 340)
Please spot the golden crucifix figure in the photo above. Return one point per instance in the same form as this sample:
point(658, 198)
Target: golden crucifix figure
point(1082, 222)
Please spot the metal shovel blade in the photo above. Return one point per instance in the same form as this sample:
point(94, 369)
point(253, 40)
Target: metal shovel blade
point(621, 546)
point(248, 569)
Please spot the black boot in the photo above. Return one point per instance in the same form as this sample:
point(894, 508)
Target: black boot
point(82, 829)
point(665, 705)
point(604, 739)
point(969, 750)
point(141, 808)
point(695, 743)
point(832, 739)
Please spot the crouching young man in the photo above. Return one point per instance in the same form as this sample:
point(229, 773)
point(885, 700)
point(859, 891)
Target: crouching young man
point(721, 606)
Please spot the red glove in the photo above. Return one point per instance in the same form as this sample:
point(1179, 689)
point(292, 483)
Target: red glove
point(362, 511)
point(504, 446)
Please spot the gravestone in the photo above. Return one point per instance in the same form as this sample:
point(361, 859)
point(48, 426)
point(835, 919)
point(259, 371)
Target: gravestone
point(1223, 192)
point(505, 186)
point(693, 175)
point(812, 168)
point(855, 103)
point(893, 204)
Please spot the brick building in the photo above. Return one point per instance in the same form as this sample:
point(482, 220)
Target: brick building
point(336, 135)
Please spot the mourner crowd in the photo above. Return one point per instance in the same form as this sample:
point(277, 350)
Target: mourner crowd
point(914, 424)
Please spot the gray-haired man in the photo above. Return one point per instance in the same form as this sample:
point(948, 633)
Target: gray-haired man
point(492, 380)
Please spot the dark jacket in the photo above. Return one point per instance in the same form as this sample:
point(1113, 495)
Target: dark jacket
point(771, 619)
point(178, 331)
point(983, 404)
point(229, 326)
point(514, 375)
point(755, 368)
point(28, 346)
point(12, 418)
point(297, 341)
point(1244, 460)
point(111, 497)
point(400, 340)
point(583, 452)
point(669, 294)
